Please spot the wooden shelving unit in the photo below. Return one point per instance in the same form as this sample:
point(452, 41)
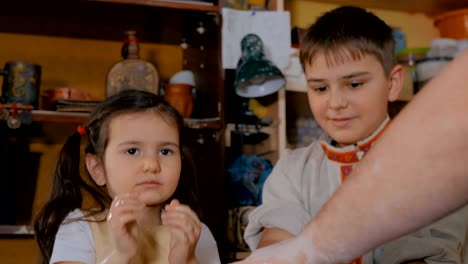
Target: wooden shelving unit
point(108, 19)
point(162, 26)
point(175, 4)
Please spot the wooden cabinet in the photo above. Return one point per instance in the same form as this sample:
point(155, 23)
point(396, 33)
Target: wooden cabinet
point(77, 42)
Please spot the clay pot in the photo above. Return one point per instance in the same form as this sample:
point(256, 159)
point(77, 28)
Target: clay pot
point(180, 97)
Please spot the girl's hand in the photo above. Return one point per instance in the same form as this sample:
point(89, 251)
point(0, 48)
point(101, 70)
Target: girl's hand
point(185, 228)
point(123, 213)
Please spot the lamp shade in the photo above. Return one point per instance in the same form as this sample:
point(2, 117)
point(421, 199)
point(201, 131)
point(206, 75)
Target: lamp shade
point(255, 75)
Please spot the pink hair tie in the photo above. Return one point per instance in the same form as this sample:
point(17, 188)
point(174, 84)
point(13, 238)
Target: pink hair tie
point(81, 130)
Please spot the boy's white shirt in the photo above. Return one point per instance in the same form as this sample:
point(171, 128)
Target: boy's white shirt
point(74, 242)
point(301, 183)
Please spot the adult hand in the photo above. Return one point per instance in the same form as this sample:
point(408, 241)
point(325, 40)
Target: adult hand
point(185, 228)
point(297, 250)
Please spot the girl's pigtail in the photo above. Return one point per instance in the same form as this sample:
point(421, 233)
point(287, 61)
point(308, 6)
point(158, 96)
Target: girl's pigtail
point(65, 196)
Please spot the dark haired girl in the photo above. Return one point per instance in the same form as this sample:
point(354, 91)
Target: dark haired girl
point(132, 200)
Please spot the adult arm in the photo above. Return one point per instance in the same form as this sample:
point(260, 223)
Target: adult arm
point(416, 174)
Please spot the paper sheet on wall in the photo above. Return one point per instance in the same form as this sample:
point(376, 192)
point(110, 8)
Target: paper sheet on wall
point(273, 27)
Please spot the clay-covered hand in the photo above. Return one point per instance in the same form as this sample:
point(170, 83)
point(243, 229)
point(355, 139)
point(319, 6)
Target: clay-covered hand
point(297, 250)
point(122, 217)
point(185, 229)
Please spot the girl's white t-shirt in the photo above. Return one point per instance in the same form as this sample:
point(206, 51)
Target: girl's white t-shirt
point(74, 242)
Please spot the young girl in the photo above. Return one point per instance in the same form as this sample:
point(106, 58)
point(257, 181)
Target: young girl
point(129, 202)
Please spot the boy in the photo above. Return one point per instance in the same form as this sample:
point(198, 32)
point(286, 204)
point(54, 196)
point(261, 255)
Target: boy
point(350, 66)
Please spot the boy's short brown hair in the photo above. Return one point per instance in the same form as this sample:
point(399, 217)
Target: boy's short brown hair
point(348, 33)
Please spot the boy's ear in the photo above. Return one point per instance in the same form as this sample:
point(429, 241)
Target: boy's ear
point(96, 170)
point(396, 80)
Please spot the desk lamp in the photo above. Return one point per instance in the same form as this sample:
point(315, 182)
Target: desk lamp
point(255, 77)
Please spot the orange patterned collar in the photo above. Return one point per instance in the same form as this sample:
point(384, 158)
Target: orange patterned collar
point(353, 153)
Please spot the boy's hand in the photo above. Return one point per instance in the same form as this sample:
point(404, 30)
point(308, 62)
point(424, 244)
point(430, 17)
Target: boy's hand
point(122, 217)
point(185, 228)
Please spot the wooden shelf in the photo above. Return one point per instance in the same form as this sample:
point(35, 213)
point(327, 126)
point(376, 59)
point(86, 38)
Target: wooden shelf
point(156, 21)
point(16, 230)
point(425, 6)
point(81, 118)
point(59, 117)
point(175, 4)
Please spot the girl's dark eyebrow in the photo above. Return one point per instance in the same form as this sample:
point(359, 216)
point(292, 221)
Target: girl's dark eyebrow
point(136, 142)
point(129, 142)
point(170, 143)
